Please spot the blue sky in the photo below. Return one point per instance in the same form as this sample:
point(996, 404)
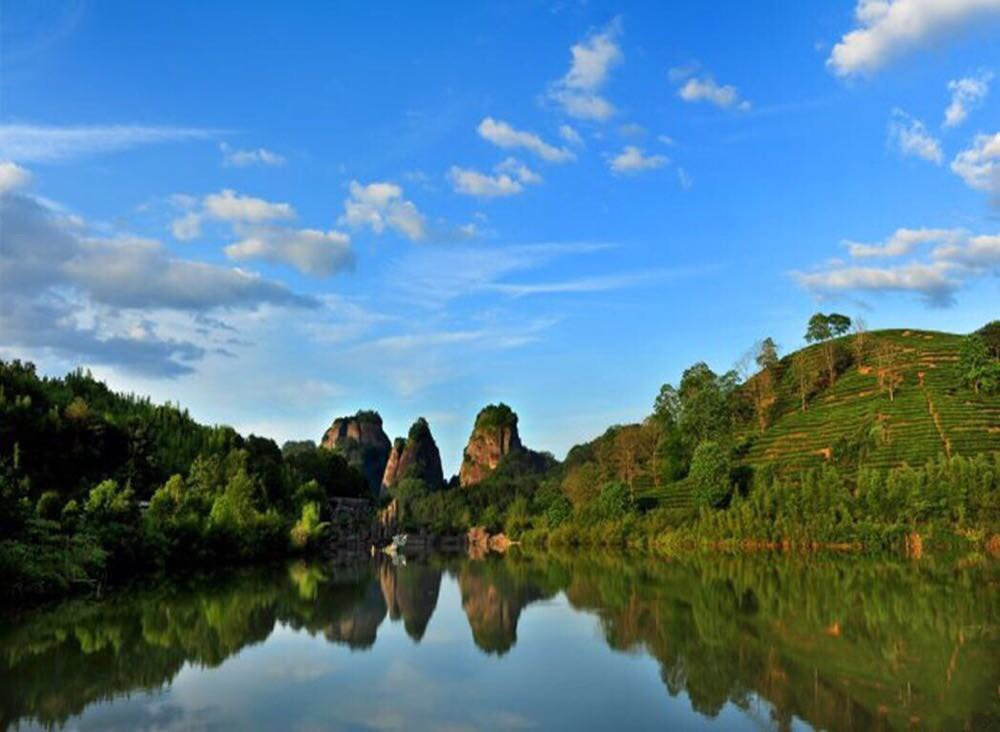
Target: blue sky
point(279, 214)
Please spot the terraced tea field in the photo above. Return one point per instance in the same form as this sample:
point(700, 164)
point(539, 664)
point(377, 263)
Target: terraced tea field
point(932, 412)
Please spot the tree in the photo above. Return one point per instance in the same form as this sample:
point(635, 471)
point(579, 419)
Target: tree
point(860, 342)
point(888, 361)
point(839, 324)
point(709, 474)
point(804, 372)
point(767, 354)
point(632, 451)
point(979, 369)
point(818, 329)
point(823, 329)
point(760, 387)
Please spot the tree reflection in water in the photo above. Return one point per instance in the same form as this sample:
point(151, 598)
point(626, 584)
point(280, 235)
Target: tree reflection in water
point(838, 642)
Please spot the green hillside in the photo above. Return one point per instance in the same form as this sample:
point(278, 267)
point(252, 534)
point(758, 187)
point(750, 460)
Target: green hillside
point(854, 422)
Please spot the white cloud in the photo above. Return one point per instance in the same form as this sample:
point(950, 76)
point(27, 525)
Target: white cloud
point(889, 28)
point(12, 177)
point(581, 285)
point(632, 160)
point(570, 135)
point(911, 138)
point(186, 227)
point(937, 276)
point(381, 205)
point(503, 135)
point(236, 158)
point(966, 94)
point(36, 143)
point(591, 62)
point(684, 178)
point(227, 205)
point(902, 241)
point(510, 178)
point(515, 167)
point(95, 298)
point(311, 251)
point(933, 281)
point(979, 166)
point(978, 253)
point(706, 89)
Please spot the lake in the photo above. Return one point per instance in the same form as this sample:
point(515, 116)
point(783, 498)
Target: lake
point(524, 641)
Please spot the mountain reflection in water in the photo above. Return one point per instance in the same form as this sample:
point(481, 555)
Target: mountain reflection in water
point(838, 643)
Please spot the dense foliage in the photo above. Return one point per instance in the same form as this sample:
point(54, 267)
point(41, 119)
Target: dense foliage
point(97, 486)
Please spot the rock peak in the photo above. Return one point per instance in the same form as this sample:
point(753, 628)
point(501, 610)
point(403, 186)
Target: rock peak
point(493, 437)
point(362, 442)
point(416, 456)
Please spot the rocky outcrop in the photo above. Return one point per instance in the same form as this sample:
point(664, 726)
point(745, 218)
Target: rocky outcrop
point(493, 437)
point(417, 456)
point(363, 443)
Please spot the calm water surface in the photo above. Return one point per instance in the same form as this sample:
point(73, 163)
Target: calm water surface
point(586, 641)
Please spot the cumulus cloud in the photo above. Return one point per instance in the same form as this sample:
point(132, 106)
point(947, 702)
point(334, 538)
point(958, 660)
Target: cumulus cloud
point(979, 166)
point(910, 137)
point(381, 205)
point(632, 160)
point(51, 274)
point(233, 157)
point(889, 28)
point(966, 94)
point(591, 62)
point(227, 205)
point(37, 143)
point(936, 275)
point(503, 135)
point(509, 179)
point(12, 177)
point(311, 251)
point(705, 89)
point(933, 281)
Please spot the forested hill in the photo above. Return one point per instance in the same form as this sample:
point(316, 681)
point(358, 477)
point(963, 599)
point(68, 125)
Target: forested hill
point(851, 400)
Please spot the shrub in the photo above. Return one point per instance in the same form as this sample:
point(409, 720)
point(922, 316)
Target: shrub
point(709, 475)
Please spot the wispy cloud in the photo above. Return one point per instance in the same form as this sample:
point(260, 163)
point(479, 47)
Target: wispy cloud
point(911, 138)
point(581, 284)
point(236, 158)
point(505, 136)
point(39, 143)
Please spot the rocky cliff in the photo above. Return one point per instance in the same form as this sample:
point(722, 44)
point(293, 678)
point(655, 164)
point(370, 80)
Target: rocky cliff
point(363, 443)
point(417, 456)
point(493, 437)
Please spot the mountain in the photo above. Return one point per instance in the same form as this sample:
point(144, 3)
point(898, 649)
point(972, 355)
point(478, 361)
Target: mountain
point(416, 456)
point(363, 442)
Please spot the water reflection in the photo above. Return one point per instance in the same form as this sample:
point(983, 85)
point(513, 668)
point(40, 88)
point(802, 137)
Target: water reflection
point(837, 643)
